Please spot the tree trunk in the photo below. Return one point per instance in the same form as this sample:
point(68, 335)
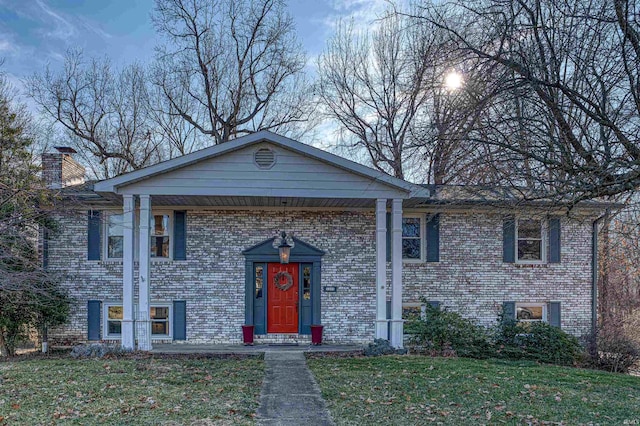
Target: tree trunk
point(4, 351)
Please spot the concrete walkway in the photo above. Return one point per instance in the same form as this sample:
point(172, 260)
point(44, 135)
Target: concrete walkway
point(290, 394)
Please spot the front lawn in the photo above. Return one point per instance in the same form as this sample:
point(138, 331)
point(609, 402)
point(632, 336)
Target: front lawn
point(129, 391)
point(416, 390)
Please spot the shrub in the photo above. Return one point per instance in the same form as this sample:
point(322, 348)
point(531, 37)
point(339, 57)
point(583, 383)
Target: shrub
point(98, 350)
point(444, 333)
point(610, 349)
point(536, 341)
point(382, 347)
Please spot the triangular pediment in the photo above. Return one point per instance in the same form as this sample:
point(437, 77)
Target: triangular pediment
point(268, 249)
point(237, 168)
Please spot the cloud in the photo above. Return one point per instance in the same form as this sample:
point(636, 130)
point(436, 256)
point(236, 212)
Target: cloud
point(6, 46)
point(63, 28)
point(93, 27)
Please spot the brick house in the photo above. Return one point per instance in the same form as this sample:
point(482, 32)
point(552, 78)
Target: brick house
point(188, 250)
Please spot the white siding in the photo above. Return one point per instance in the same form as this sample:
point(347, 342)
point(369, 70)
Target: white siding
point(293, 175)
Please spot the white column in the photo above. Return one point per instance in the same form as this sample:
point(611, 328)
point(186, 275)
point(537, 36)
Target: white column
point(397, 329)
point(144, 322)
point(381, 269)
point(128, 338)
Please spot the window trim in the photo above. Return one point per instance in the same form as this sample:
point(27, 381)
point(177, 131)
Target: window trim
point(105, 233)
point(105, 320)
point(423, 238)
point(544, 241)
point(170, 234)
point(136, 236)
point(545, 311)
point(421, 306)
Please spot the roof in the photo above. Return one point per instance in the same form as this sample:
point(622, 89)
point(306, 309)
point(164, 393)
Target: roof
point(502, 196)
point(114, 184)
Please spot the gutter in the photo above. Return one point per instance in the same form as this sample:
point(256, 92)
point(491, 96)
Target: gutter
point(594, 272)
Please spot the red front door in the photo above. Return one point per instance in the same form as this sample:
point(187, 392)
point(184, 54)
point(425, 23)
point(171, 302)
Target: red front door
point(282, 298)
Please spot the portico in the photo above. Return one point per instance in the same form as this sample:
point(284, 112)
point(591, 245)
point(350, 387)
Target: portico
point(257, 171)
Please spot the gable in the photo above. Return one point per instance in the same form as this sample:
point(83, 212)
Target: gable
point(237, 173)
point(267, 248)
point(301, 171)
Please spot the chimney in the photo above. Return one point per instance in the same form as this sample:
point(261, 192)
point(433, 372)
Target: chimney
point(59, 169)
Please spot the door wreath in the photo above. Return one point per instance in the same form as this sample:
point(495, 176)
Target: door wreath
point(283, 280)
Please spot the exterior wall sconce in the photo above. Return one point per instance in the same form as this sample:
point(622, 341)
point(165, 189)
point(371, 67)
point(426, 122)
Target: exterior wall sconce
point(284, 249)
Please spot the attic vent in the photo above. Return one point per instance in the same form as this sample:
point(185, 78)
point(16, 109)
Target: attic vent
point(264, 158)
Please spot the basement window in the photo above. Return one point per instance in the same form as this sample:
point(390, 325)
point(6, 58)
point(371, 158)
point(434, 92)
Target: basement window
point(531, 312)
point(161, 316)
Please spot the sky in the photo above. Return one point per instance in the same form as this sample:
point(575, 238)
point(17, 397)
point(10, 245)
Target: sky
point(37, 33)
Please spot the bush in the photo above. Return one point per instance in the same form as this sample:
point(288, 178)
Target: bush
point(98, 350)
point(446, 333)
point(610, 349)
point(382, 347)
point(441, 332)
point(536, 341)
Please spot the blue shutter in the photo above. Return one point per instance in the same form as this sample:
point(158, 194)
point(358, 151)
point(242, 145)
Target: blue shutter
point(433, 238)
point(509, 239)
point(509, 310)
point(93, 235)
point(179, 320)
point(93, 319)
point(554, 240)
point(554, 314)
point(388, 237)
point(180, 235)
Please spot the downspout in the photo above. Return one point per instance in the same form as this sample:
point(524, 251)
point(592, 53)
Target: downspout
point(594, 272)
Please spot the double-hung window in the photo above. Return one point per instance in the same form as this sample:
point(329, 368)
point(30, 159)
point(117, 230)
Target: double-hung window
point(113, 319)
point(160, 238)
point(114, 235)
point(160, 315)
point(160, 320)
point(160, 235)
point(412, 238)
point(530, 246)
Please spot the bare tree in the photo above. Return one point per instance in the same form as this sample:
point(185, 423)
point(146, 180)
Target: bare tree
point(105, 112)
point(575, 69)
point(386, 89)
point(376, 86)
point(29, 296)
point(231, 67)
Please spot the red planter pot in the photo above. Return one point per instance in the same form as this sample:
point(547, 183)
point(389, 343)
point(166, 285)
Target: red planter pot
point(247, 334)
point(316, 334)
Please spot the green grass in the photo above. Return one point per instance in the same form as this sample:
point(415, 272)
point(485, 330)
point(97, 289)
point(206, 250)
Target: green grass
point(417, 390)
point(128, 391)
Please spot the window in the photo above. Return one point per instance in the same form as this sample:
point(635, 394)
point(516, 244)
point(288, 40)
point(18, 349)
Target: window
point(114, 320)
point(306, 283)
point(160, 321)
point(259, 280)
point(160, 238)
point(531, 312)
point(159, 313)
point(160, 235)
point(412, 232)
point(530, 247)
point(413, 311)
point(115, 236)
